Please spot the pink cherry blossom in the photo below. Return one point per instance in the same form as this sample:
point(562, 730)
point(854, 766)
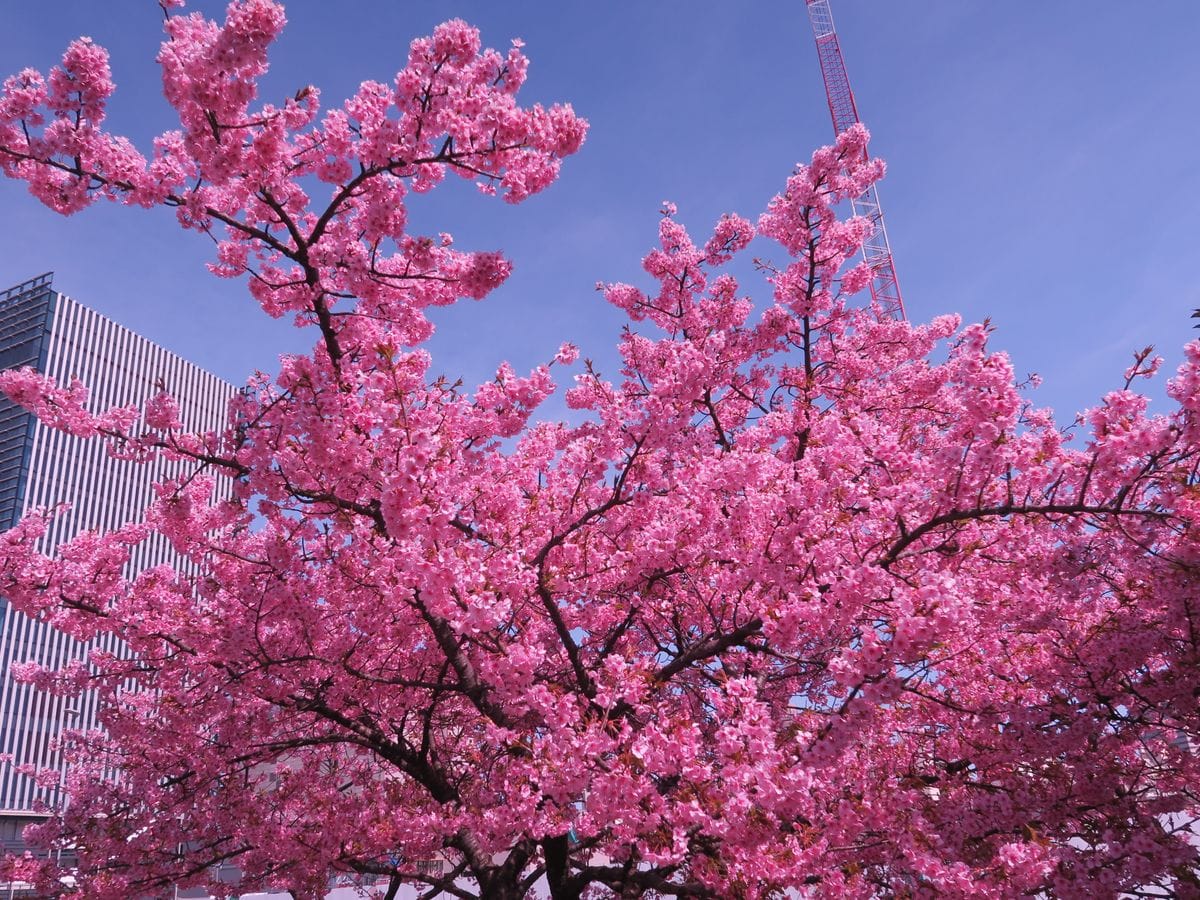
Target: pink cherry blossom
point(802, 599)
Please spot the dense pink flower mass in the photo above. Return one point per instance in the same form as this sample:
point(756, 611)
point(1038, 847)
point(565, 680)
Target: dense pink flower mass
point(804, 600)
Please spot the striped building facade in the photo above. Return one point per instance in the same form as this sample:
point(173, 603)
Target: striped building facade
point(41, 468)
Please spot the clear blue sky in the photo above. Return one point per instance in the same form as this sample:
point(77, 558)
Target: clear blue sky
point(1043, 166)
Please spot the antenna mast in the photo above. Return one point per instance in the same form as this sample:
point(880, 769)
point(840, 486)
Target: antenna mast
point(885, 289)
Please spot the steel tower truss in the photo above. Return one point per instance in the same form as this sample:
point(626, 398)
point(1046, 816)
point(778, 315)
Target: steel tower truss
point(885, 289)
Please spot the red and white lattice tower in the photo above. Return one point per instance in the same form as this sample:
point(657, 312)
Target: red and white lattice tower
point(885, 289)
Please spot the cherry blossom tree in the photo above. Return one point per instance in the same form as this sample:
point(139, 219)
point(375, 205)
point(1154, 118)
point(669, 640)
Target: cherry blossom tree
point(805, 599)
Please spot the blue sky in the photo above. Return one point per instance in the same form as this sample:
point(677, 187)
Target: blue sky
point(1043, 166)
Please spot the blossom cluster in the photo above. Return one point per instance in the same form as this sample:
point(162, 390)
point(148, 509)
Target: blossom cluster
point(805, 599)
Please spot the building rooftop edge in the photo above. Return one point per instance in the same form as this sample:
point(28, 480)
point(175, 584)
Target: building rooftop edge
point(45, 282)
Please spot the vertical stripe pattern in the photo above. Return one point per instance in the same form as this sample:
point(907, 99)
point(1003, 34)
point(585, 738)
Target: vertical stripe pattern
point(119, 368)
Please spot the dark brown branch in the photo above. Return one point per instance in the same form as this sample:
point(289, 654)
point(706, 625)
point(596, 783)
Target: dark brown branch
point(1008, 509)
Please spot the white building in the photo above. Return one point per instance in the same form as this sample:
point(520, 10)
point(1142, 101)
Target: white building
point(40, 467)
